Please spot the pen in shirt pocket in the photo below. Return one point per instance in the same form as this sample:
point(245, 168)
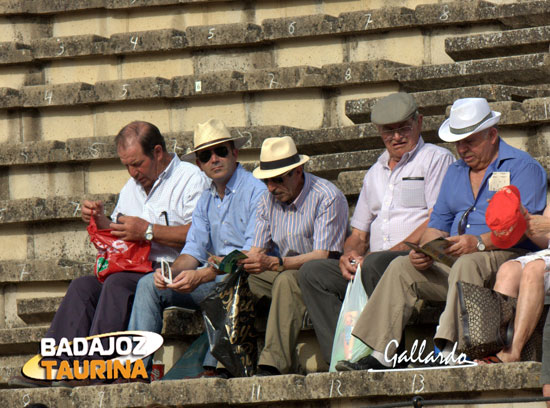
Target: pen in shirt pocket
point(412, 178)
point(165, 217)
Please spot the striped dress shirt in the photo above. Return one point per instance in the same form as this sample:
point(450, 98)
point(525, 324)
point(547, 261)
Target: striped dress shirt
point(315, 220)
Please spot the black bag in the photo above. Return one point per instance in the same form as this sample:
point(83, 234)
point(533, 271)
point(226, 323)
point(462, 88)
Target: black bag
point(229, 315)
point(487, 323)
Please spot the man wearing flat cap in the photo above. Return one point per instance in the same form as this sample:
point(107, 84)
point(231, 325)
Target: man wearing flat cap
point(487, 164)
point(223, 220)
point(397, 194)
point(303, 217)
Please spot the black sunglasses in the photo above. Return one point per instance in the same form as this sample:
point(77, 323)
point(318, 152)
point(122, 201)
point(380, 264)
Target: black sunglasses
point(205, 155)
point(279, 179)
point(464, 221)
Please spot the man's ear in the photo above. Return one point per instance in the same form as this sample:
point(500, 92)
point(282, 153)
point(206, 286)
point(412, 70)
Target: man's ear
point(157, 152)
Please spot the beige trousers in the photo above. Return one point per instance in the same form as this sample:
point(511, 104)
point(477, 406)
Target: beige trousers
point(391, 304)
point(286, 315)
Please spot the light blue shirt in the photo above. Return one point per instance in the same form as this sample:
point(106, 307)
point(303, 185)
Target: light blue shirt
point(221, 226)
point(456, 195)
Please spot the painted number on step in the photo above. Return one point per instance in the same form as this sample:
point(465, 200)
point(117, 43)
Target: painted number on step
point(255, 395)
point(26, 400)
point(417, 386)
point(272, 80)
point(124, 90)
point(292, 28)
point(61, 48)
point(368, 16)
point(445, 15)
point(347, 75)
point(48, 97)
point(332, 389)
point(134, 40)
point(211, 33)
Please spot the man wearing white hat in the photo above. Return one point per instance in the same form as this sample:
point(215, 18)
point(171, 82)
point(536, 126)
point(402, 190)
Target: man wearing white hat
point(398, 192)
point(302, 216)
point(487, 164)
point(223, 220)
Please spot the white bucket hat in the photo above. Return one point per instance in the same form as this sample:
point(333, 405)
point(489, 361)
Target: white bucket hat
point(211, 133)
point(278, 155)
point(468, 116)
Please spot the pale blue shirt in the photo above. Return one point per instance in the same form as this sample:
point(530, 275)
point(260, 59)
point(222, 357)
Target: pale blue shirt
point(221, 226)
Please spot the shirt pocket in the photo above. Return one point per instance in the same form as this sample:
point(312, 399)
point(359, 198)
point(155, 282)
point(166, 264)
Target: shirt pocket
point(412, 192)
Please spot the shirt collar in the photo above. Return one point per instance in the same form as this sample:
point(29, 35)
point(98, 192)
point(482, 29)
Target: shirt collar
point(385, 157)
point(165, 174)
point(233, 183)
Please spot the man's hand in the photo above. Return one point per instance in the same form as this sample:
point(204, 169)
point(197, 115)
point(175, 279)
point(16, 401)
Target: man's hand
point(537, 224)
point(258, 262)
point(419, 260)
point(462, 245)
point(347, 267)
point(158, 279)
point(129, 228)
point(188, 281)
point(89, 208)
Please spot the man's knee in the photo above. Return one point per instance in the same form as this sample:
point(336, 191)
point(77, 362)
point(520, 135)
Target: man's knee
point(309, 273)
point(84, 286)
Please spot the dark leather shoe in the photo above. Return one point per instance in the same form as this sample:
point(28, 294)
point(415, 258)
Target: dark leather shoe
point(222, 373)
point(366, 363)
point(266, 371)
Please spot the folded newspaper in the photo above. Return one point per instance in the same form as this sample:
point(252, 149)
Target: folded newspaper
point(436, 250)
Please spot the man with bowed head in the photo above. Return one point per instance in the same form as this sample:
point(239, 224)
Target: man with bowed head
point(155, 204)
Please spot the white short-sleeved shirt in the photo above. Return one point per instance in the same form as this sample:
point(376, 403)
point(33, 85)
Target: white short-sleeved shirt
point(175, 193)
point(393, 203)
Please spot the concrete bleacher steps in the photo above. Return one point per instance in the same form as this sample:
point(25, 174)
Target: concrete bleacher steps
point(265, 31)
point(358, 388)
point(531, 69)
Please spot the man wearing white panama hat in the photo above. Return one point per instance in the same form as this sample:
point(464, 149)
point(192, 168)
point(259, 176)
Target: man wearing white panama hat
point(223, 220)
point(487, 164)
point(302, 216)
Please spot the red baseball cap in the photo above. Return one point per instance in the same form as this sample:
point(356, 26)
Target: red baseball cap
point(504, 217)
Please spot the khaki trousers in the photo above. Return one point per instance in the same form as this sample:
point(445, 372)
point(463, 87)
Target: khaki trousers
point(390, 306)
point(286, 315)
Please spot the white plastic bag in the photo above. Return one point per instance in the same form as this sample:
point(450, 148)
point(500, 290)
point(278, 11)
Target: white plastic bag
point(345, 346)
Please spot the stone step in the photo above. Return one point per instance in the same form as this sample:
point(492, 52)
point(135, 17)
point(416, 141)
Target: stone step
point(21, 340)
point(30, 7)
point(58, 270)
point(224, 35)
point(358, 388)
point(436, 102)
point(47, 209)
point(517, 70)
point(499, 44)
point(520, 70)
point(11, 366)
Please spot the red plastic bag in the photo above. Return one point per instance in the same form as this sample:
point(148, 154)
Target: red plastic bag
point(115, 255)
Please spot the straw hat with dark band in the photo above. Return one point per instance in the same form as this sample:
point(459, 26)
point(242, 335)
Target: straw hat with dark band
point(278, 155)
point(212, 133)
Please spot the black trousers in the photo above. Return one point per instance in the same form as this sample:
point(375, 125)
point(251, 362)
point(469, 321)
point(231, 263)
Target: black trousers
point(324, 287)
point(91, 307)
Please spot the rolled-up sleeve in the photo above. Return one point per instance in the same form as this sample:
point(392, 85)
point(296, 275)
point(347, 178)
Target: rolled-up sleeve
point(198, 238)
point(262, 231)
point(331, 224)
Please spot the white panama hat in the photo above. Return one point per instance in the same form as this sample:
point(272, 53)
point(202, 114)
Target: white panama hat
point(468, 116)
point(278, 155)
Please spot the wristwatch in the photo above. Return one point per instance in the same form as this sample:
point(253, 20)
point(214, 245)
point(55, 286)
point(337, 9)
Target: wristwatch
point(480, 244)
point(281, 267)
point(149, 232)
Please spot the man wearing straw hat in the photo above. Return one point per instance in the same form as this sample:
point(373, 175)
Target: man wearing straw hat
point(302, 216)
point(223, 220)
point(487, 164)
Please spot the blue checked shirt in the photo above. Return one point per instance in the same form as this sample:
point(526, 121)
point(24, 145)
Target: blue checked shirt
point(221, 226)
point(316, 220)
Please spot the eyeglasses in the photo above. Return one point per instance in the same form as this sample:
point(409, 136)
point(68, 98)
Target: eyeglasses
point(205, 155)
point(403, 131)
point(464, 221)
point(279, 179)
